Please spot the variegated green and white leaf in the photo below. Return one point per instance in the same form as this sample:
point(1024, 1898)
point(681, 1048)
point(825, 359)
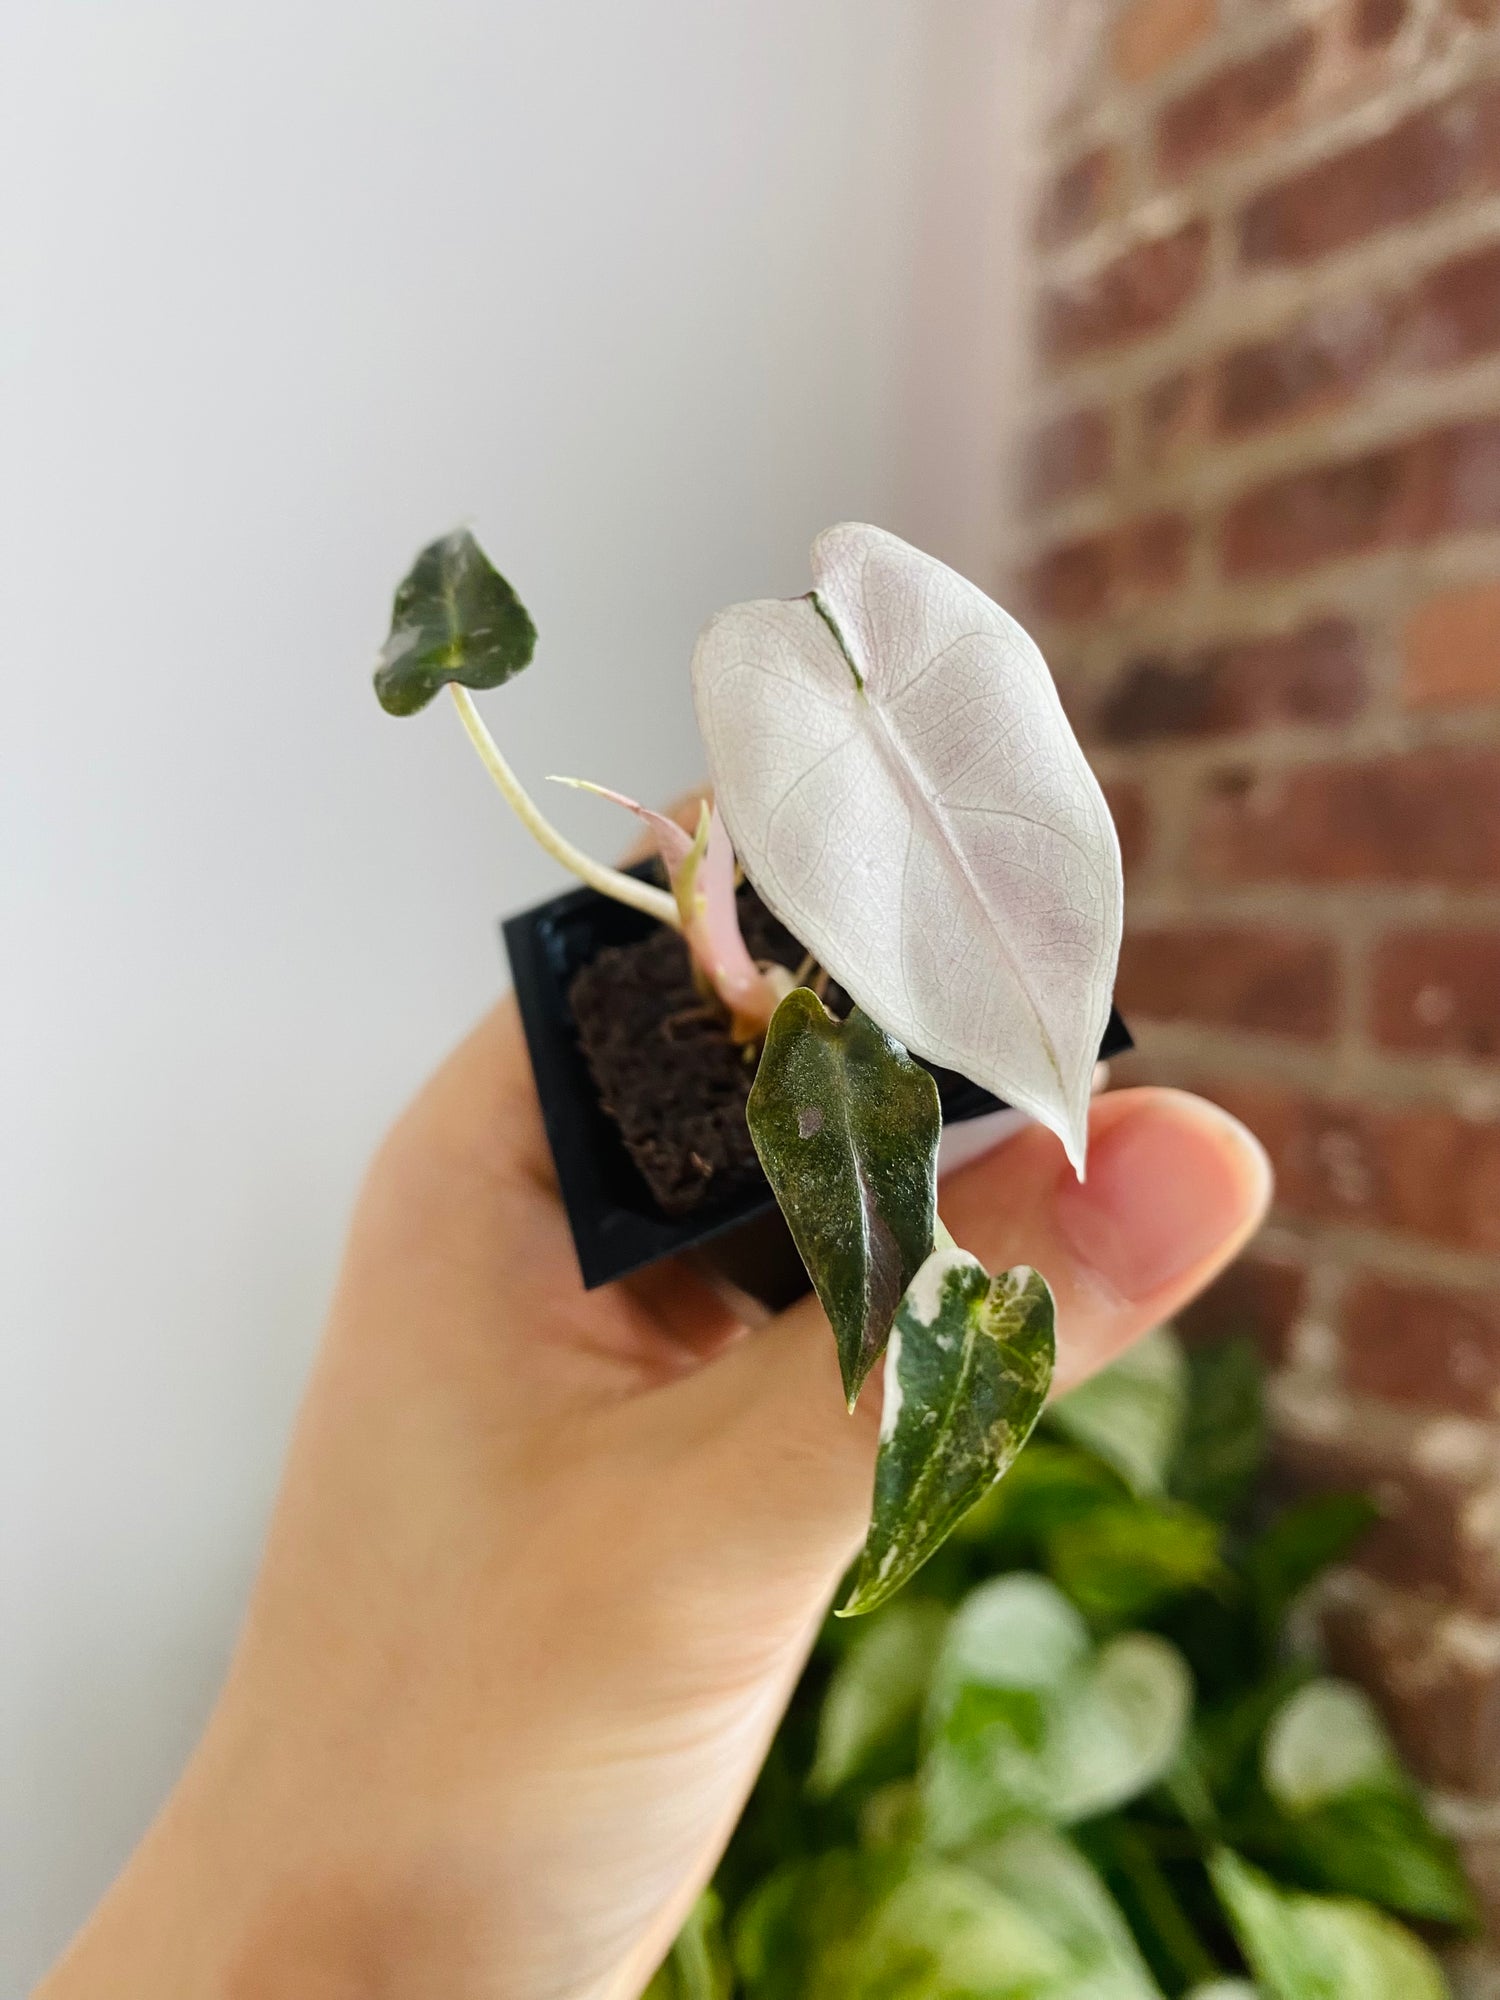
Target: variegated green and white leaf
point(904, 790)
point(966, 1377)
point(1027, 1721)
point(1355, 1822)
point(848, 1926)
point(1043, 1873)
point(1325, 1740)
point(846, 1126)
point(877, 1692)
point(1130, 1414)
point(1321, 1947)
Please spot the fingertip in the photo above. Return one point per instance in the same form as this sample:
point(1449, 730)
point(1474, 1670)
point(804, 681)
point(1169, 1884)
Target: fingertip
point(1177, 1184)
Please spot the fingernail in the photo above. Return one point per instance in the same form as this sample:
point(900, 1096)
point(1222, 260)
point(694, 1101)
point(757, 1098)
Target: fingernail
point(1169, 1184)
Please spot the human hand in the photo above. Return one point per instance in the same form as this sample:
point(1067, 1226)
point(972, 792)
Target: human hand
point(546, 1564)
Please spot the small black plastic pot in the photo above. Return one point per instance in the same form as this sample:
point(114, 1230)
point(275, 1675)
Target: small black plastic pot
point(617, 1226)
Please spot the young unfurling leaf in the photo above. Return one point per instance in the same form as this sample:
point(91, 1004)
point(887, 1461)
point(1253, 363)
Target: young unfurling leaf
point(903, 789)
point(966, 1375)
point(700, 868)
point(455, 619)
point(846, 1126)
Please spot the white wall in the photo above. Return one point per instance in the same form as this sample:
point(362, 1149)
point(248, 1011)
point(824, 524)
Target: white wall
point(649, 293)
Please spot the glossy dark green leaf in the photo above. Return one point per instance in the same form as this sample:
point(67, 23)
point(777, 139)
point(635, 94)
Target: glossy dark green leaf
point(966, 1377)
point(1050, 1485)
point(455, 619)
point(1298, 1546)
point(846, 1126)
point(796, 1926)
point(1382, 1846)
point(1321, 1947)
point(1223, 1430)
point(1150, 1901)
point(1228, 1733)
point(1120, 1563)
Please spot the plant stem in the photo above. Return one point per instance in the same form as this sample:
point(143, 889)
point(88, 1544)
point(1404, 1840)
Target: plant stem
point(608, 881)
point(941, 1237)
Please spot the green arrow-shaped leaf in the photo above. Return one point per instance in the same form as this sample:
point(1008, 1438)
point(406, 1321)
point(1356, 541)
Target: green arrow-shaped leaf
point(455, 619)
point(966, 1375)
point(847, 1127)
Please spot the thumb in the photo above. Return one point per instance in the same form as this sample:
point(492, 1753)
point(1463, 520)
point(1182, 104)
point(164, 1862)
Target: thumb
point(1175, 1189)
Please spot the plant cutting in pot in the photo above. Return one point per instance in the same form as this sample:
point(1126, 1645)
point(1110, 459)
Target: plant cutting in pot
point(929, 851)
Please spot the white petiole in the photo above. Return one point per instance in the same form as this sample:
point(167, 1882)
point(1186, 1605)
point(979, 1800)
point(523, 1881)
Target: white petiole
point(608, 881)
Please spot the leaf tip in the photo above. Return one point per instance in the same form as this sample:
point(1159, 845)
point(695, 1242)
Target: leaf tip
point(863, 1599)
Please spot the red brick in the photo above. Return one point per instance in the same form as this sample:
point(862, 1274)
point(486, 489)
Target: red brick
point(1401, 494)
point(1151, 556)
point(1433, 1537)
point(1126, 799)
point(1438, 1682)
point(1152, 34)
point(1454, 313)
point(1313, 674)
point(1480, 1855)
point(1416, 1344)
point(1438, 993)
point(1377, 22)
point(1136, 294)
point(1172, 418)
point(1274, 981)
point(1451, 657)
point(1434, 156)
point(1070, 455)
point(1072, 581)
point(1078, 197)
point(1315, 365)
point(1427, 1172)
point(1467, 489)
point(1228, 109)
point(1256, 1297)
point(1429, 816)
point(1305, 517)
point(1113, 571)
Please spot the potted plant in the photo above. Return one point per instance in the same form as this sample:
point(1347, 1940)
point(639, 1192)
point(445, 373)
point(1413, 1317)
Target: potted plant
point(1092, 1752)
point(929, 923)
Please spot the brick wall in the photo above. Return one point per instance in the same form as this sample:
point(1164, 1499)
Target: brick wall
point(1260, 541)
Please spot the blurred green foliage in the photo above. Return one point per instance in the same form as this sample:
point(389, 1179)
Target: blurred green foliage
point(1082, 1758)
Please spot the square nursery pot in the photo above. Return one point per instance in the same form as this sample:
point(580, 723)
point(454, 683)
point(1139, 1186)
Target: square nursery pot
point(618, 1227)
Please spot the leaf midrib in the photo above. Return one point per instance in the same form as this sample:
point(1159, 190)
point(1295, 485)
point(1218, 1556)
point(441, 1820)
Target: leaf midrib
point(898, 761)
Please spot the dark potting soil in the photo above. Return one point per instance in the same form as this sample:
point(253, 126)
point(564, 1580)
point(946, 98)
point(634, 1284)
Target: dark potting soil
point(666, 1069)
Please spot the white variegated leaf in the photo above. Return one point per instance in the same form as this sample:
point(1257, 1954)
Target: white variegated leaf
point(902, 786)
point(1321, 1947)
point(1325, 1740)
